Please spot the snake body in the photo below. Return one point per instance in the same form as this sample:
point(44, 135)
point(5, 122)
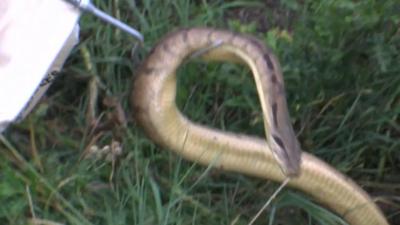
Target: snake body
point(153, 103)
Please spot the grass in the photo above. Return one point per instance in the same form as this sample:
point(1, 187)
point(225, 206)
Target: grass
point(340, 62)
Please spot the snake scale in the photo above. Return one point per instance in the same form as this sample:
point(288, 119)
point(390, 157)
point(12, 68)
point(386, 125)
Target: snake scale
point(273, 158)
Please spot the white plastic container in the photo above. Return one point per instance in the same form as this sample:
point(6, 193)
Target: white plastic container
point(36, 36)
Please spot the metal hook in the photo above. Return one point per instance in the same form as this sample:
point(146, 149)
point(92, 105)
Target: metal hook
point(87, 6)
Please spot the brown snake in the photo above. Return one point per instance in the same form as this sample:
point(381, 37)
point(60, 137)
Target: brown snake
point(153, 103)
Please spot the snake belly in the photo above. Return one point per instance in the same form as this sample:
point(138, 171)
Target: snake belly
point(155, 110)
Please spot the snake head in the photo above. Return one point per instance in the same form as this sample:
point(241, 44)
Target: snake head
point(287, 152)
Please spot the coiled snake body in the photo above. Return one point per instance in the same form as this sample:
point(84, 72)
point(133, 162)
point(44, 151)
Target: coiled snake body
point(153, 103)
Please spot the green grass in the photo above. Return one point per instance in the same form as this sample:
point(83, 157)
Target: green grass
point(340, 62)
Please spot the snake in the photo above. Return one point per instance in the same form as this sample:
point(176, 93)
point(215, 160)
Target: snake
point(275, 157)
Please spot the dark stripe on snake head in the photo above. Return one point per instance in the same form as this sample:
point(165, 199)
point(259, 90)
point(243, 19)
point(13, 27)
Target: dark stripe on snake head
point(274, 113)
point(273, 78)
point(269, 62)
point(279, 142)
